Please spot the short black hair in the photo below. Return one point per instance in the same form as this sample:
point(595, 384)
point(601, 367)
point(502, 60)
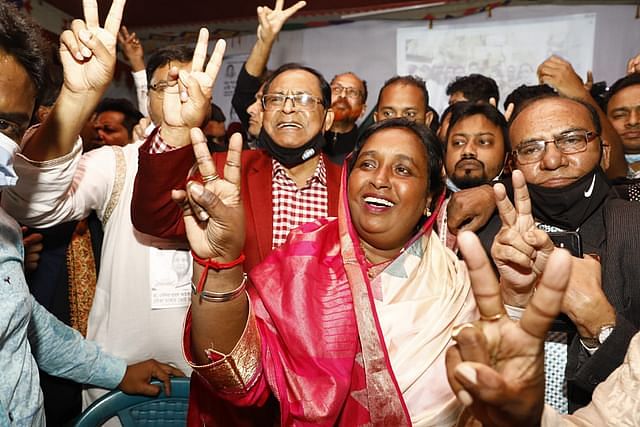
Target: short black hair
point(461, 110)
point(432, 146)
point(131, 114)
point(216, 114)
point(325, 88)
point(475, 87)
point(623, 83)
point(595, 118)
point(365, 90)
point(161, 57)
point(520, 95)
point(21, 38)
point(407, 81)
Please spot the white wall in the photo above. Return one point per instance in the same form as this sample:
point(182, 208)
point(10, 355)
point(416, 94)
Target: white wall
point(368, 48)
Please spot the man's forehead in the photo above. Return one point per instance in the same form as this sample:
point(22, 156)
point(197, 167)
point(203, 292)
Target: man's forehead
point(162, 72)
point(627, 97)
point(399, 92)
point(552, 114)
point(348, 79)
point(295, 81)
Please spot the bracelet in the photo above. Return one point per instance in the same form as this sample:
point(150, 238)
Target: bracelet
point(211, 296)
point(210, 263)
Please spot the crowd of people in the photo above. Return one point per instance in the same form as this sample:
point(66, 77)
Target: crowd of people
point(320, 262)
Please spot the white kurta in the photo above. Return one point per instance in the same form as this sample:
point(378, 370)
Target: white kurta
point(69, 188)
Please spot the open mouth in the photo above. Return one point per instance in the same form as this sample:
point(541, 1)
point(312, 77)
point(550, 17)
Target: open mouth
point(378, 202)
point(289, 125)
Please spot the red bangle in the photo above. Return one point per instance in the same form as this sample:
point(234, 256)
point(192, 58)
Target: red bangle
point(210, 263)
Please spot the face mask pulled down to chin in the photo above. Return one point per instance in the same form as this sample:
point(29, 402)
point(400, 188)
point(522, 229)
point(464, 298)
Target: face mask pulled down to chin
point(8, 149)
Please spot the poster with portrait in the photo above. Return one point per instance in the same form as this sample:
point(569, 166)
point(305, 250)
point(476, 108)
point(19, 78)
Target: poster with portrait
point(170, 278)
point(226, 84)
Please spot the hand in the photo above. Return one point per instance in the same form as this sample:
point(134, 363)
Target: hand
point(270, 21)
point(187, 98)
point(137, 377)
point(496, 367)
point(559, 74)
point(219, 231)
point(470, 209)
point(131, 48)
point(633, 66)
point(88, 51)
point(520, 250)
point(588, 84)
point(139, 130)
point(585, 302)
point(32, 248)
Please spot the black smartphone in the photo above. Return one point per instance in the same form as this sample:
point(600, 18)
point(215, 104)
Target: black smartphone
point(569, 240)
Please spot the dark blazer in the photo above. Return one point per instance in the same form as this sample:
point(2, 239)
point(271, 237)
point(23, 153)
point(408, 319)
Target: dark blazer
point(153, 212)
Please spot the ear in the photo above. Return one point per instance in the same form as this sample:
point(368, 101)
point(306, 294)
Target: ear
point(364, 110)
point(375, 116)
point(328, 119)
point(428, 117)
point(42, 113)
point(606, 155)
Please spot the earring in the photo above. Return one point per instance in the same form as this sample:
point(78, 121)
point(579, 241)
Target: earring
point(427, 212)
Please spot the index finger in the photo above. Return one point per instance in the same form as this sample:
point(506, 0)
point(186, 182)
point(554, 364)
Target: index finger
point(90, 8)
point(213, 66)
point(484, 284)
point(202, 154)
point(112, 23)
point(200, 52)
point(546, 302)
point(293, 9)
point(279, 5)
point(507, 212)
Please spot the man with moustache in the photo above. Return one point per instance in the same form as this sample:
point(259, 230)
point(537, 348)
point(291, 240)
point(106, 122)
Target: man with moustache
point(623, 110)
point(348, 98)
point(476, 148)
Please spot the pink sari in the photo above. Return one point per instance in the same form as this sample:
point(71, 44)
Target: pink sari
point(323, 353)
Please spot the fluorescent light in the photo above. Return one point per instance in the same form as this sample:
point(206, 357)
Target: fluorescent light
point(392, 10)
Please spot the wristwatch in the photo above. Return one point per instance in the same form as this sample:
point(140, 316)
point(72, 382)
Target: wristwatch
point(592, 343)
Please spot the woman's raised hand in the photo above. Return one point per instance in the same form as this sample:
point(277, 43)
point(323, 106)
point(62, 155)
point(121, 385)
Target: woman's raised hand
point(213, 212)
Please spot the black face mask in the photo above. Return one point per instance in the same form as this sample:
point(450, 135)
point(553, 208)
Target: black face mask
point(290, 157)
point(568, 207)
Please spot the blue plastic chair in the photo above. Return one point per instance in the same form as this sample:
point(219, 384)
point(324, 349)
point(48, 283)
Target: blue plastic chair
point(136, 411)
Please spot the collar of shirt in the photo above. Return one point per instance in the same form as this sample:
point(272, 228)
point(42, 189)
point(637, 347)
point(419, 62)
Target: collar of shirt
point(319, 175)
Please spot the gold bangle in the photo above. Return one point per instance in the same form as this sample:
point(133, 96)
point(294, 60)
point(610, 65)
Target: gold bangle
point(211, 296)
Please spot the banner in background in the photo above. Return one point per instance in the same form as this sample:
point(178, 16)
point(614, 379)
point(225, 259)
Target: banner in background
point(226, 84)
point(507, 51)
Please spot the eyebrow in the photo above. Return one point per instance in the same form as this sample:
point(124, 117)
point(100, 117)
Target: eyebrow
point(573, 129)
point(22, 119)
point(625, 108)
point(473, 134)
point(404, 157)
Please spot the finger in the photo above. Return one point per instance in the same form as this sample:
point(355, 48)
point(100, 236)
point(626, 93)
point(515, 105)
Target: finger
point(202, 154)
point(546, 302)
point(473, 345)
point(507, 212)
point(80, 32)
point(232, 166)
point(492, 101)
point(112, 23)
point(198, 211)
point(69, 43)
point(509, 111)
point(510, 246)
point(206, 199)
point(482, 382)
point(124, 32)
point(161, 372)
point(200, 52)
point(279, 5)
point(483, 280)
point(95, 46)
point(589, 83)
point(193, 91)
point(521, 197)
point(452, 360)
point(90, 8)
point(293, 9)
point(213, 66)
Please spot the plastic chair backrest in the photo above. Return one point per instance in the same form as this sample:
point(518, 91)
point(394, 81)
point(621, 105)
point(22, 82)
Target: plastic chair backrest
point(135, 410)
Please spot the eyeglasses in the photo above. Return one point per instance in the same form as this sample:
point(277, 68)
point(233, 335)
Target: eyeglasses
point(158, 86)
point(302, 101)
point(350, 92)
point(567, 143)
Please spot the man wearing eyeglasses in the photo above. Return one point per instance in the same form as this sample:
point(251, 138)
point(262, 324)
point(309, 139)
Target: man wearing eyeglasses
point(348, 102)
point(561, 155)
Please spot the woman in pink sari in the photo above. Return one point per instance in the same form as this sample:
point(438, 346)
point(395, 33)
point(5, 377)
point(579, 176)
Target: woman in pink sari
point(348, 323)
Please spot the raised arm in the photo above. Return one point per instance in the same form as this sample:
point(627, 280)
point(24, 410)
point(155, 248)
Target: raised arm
point(88, 55)
point(560, 75)
point(134, 53)
point(270, 22)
